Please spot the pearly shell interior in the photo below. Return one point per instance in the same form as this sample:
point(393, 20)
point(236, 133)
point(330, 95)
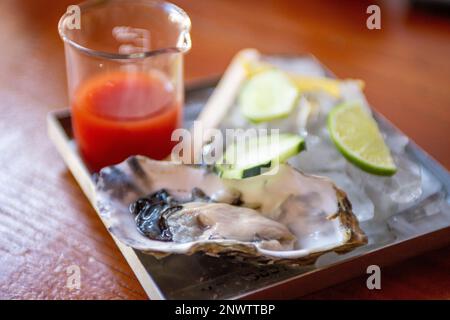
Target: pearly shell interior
point(315, 211)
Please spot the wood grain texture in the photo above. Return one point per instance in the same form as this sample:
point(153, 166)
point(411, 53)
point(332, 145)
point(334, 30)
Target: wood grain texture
point(46, 224)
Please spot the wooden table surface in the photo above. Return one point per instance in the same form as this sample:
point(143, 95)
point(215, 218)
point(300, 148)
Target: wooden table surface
point(46, 224)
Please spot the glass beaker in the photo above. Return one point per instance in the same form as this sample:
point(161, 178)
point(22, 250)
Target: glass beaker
point(124, 64)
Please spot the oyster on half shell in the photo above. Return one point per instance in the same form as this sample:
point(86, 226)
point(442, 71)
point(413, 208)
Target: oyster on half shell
point(287, 217)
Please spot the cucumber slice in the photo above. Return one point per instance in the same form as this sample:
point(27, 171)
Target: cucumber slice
point(268, 95)
point(248, 159)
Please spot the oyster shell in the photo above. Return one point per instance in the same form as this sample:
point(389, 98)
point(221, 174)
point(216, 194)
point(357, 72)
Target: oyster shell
point(288, 217)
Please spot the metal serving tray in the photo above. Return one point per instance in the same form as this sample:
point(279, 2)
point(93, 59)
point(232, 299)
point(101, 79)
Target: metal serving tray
point(204, 277)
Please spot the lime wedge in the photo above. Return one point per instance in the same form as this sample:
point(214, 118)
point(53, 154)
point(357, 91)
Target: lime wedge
point(356, 135)
point(268, 95)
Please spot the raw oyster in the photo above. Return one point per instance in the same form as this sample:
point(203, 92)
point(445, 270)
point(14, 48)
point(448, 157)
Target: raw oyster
point(287, 217)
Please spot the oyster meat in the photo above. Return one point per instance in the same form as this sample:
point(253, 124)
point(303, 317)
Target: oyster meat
point(216, 221)
point(163, 208)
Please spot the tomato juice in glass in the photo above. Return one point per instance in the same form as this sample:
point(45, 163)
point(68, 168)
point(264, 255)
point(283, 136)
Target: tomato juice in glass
point(119, 114)
point(124, 65)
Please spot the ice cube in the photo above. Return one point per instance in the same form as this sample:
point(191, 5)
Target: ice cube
point(320, 156)
point(396, 142)
point(301, 66)
point(234, 119)
point(405, 186)
point(351, 92)
point(430, 185)
point(378, 232)
point(375, 188)
point(431, 214)
point(320, 105)
point(362, 206)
